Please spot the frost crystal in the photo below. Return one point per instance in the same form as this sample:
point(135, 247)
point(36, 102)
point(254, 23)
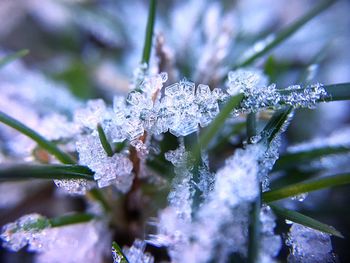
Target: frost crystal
point(308, 245)
point(25, 231)
point(135, 253)
point(73, 186)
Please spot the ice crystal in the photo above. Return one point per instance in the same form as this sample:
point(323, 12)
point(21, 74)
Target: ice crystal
point(270, 244)
point(24, 231)
point(73, 186)
point(136, 253)
point(308, 245)
point(108, 170)
point(67, 244)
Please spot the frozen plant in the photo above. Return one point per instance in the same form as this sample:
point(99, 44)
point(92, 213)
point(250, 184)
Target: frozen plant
point(181, 160)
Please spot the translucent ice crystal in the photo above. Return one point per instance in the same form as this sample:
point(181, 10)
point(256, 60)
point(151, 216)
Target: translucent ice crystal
point(68, 244)
point(73, 186)
point(24, 231)
point(136, 253)
point(92, 115)
point(308, 245)
point(114, 170)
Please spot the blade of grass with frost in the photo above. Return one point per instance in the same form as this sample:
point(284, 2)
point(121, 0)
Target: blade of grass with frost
point(41, 141)
point(20, 172)
point(275, 124)
point(305, 187)
point(8, 59)
point(71, 219)
point(103, 139)
point(338, 92)
point(118, 251)
point(285, 33)
point(305, 220)
point(146, 54)
point(290, 160)
point(209, 132)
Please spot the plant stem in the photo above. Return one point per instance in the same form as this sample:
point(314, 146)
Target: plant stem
point(41, 141)
point(149, 32)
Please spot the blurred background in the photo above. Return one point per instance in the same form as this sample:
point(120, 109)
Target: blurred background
point(91, 48)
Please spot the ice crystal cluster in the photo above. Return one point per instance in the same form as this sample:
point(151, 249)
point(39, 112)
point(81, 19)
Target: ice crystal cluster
point(36, 232)
point(308, 245)
point(135, 253)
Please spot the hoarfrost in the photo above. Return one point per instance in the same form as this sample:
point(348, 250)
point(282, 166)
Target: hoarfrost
point(136, 253)
point(308, 245)
point(27, 230)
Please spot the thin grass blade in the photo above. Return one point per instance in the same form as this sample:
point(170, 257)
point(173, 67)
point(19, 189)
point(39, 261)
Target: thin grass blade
point(285, 33)
point(147, 47)
point(305, 220)
point(8, 59)
point(40, 140)
point(22, 172)
point(305, 187)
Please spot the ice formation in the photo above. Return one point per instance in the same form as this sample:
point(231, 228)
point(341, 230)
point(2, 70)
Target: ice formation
point(197, 235)
point(308, 245)
point(134, 254)
point(27, 230)
point(57, 244)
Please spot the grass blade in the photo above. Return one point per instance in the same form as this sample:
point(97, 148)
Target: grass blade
point(290, 160)
point(119, 253)
point(20, 172)
point(219, 121)
point(275, 124)
point(254, 231)
point(8, 59)
point(103, 139)
point(286, 33)
point(41, 141)
point(305, 221)
point(149, 32)
point(305, 187)
point(71, 219)
point(338, 92)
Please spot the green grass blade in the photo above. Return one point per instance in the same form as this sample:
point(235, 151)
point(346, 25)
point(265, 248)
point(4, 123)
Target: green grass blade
point(119, 253)
point(71, 219)
point(8, 59)
point(149, 32)
point(287, 32)
point(98, 196)
point(219, 121)
point(41, 141)
point(290, 160)
point(305, 220)
point(254, 231)
point(305, 187)
point(103, 139)
point(21, 172)
point(275, 124)
point(338, 92)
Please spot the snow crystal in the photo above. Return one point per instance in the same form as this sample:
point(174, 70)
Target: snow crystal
point(136, 254)
point(24, 231)
point(73, 186)
point(308, 245)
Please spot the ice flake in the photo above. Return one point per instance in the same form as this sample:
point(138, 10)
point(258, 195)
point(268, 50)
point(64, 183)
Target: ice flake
point(114, 170)
point(68, 244)
point(270, 243)
point(24, 231)
point(136, 253)
point(74, 186)
point(92, 115)
point(308, 245)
